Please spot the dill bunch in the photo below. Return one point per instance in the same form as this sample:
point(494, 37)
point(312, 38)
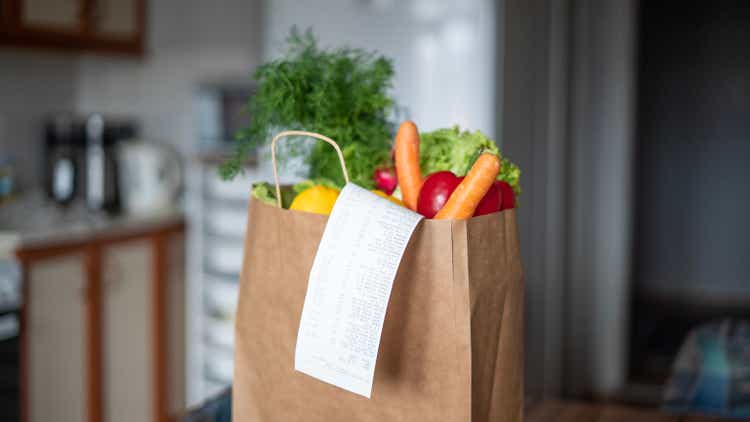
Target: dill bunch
point(341, 93)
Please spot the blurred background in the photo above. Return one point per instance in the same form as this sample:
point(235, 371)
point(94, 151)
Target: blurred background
point(120, 246)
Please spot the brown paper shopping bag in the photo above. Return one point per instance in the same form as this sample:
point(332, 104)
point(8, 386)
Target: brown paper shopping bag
point(452, 342)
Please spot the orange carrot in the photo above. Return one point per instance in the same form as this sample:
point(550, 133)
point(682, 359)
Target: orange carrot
point(464, 200)
point(407, 163)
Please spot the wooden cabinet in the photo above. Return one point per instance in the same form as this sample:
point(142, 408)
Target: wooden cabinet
point(126, 331)
point(53, 15)
point(102, 328)
point(175, 339)
point(55, 355)
point(109, 26)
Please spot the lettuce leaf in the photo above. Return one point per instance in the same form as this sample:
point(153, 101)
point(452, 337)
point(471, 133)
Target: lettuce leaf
point(266, 193)
point(453, 150)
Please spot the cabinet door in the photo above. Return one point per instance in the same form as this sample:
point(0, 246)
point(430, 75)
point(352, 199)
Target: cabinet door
point(58, 15)
point(175, 326)
point(128, 360)
point(116, 19)
point(55, 330)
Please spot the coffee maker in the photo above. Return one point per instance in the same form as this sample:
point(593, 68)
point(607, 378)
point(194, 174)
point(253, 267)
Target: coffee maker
point(81, 159)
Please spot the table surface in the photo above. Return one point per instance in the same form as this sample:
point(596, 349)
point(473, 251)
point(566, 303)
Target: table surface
point(561, 411)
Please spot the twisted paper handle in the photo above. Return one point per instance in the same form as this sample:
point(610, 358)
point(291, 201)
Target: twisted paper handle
point(302, 133)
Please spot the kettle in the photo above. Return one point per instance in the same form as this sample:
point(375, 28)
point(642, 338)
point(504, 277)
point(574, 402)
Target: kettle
point(150, 177)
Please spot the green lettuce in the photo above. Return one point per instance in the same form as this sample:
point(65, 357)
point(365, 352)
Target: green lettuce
point(266, 193)
point(453, 150)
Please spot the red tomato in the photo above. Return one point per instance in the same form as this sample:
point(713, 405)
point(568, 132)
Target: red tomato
point(492, 202)
point(436, 190)
point(439, 186)
point(508, 197)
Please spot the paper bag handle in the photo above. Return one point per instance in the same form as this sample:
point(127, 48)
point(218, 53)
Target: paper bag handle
point(302, 133)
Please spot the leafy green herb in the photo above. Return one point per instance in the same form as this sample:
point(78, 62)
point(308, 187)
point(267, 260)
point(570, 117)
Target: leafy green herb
point(341, 93)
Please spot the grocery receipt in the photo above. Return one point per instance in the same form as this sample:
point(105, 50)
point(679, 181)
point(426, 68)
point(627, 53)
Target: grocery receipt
point(349, 287)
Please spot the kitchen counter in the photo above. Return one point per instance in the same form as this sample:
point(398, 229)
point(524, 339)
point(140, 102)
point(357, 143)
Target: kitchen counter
point(32, 223)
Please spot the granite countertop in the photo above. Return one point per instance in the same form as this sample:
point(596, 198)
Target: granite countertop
point(34, 222)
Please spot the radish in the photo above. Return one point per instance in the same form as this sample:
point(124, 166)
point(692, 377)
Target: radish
point(385, 179)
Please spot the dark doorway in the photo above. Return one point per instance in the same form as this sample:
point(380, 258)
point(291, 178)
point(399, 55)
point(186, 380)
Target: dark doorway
point(692, 228)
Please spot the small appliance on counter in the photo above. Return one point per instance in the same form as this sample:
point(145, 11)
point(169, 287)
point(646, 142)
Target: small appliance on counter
point(150, 177)
point(62, 169)
point(81, 160)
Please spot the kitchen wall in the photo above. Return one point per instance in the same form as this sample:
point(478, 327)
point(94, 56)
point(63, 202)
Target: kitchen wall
point(188, 42)
point(450, 46)
point(31, 85)
point(443, 51)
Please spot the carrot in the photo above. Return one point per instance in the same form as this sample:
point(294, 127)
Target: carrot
point(464, 200)
point(407, 163)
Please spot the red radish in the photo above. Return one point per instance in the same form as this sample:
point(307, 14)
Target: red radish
point(435, 191)
point(385, 179)
point(508, 197)
point(491, 202)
